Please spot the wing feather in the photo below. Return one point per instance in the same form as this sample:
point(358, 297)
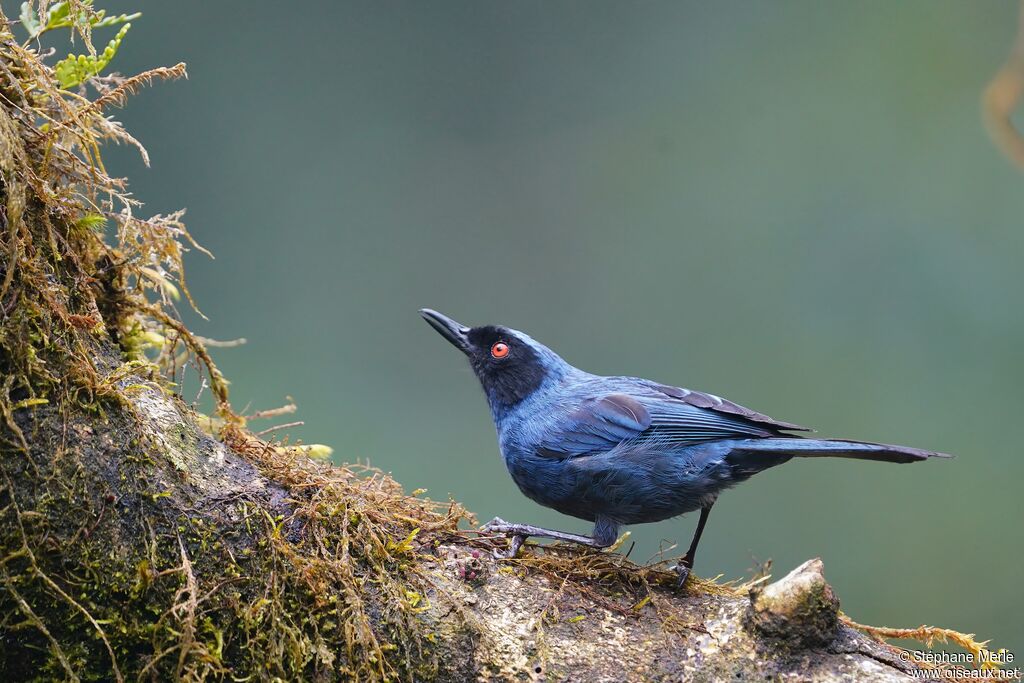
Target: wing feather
point(671, 416)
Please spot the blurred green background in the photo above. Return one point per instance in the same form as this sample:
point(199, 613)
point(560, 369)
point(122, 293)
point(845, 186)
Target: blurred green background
point(791, 204)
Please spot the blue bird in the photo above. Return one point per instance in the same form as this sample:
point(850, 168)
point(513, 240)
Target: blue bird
point(623, 450)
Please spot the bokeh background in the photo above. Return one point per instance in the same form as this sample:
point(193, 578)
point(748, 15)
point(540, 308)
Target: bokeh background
point(791, 204)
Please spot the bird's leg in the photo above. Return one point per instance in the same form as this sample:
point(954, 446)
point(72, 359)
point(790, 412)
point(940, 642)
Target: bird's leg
point(686, 564)
point(605, 533)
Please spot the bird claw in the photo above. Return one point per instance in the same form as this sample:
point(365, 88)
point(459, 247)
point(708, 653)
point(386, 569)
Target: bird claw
point(500, 526)
point(684, 573)
point(496, 525)
point(514, 544)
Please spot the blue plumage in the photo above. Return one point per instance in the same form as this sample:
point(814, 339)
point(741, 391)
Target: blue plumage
point(623, 450)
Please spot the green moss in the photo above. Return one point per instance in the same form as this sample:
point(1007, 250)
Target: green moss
point(168, 589)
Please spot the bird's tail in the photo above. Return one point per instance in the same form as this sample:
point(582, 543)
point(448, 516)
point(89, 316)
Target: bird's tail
point(834, 448)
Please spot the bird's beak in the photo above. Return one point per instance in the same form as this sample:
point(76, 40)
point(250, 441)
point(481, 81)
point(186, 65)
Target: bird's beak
point(448, 328)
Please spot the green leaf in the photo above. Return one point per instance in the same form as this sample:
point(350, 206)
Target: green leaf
point(59, 16)
point(101, 20)
point(75, 70)
point(29, 19)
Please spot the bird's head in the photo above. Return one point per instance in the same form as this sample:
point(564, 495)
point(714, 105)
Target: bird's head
point(509, 364)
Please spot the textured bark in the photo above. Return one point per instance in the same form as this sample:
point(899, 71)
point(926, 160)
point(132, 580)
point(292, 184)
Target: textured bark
point(145, 472)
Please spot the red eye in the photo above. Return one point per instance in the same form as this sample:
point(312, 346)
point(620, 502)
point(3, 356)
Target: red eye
point(499, 350)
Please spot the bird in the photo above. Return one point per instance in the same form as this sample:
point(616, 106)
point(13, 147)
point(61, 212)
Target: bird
point(624, 450)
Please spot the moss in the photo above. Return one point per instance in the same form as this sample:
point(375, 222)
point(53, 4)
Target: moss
point(185, 585)
point(180, 585)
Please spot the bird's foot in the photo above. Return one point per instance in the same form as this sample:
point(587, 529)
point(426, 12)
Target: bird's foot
point(516, 539)
point(683, 570)
point(515, 542)
point(518, 534)
point(496, 526)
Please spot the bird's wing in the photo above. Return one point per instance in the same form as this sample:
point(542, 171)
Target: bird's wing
point(676, 419)
point(598, 425)
point(699, 399)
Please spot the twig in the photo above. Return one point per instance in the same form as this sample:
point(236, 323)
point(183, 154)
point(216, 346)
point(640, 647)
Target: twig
point(217, 383)
point(222, 343)
point(286, 409)
point(287, 425)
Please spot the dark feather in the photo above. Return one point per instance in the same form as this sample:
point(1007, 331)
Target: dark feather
point(596, 426)
point(833, 448)
point(601, 424)
point(701, 400)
